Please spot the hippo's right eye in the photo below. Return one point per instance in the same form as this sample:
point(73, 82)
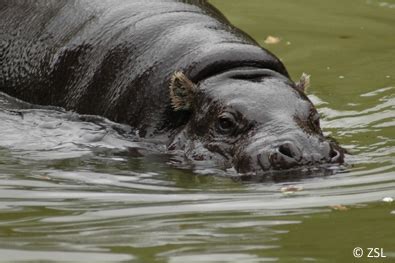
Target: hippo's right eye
point(226, 123)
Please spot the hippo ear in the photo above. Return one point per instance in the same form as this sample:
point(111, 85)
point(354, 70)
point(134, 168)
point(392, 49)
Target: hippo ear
point(304, 83)
point(182, 91)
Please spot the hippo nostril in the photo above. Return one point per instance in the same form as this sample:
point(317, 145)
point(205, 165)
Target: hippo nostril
point(287, 155)
point(285, 150)
point(333, 153)
point(289, 150)
point(336, 156)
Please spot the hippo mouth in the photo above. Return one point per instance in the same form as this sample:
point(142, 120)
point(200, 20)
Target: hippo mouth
point(295, 173)
point(288, 156)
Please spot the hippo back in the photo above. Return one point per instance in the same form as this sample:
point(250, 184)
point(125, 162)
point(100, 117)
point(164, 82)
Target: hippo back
point(115, 58)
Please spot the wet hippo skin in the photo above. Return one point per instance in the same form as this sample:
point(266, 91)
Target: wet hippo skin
point(165, 67)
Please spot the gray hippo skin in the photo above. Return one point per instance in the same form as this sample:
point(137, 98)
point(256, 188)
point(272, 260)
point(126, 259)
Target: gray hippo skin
point(167, 68)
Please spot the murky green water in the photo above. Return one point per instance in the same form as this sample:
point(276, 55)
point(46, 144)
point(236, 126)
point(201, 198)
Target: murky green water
point(70, 191)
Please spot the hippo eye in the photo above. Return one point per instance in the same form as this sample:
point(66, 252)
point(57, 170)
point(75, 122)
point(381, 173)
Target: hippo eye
point(226, 124)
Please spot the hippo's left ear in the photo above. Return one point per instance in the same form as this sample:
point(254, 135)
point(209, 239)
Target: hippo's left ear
point(182, 91)
point(304, 83)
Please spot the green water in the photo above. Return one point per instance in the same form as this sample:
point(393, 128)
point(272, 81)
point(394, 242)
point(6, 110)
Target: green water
point(72, 197)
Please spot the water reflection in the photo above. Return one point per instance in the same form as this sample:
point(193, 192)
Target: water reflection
point(78, 188)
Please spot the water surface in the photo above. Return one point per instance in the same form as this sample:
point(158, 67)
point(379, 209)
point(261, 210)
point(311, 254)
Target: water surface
point(72, 187)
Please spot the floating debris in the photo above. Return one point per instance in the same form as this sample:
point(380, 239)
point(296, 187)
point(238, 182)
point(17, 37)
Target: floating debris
point(272, 40)
point(341, 77)
point(339, 207)
point(388, 199)
point(290, 189)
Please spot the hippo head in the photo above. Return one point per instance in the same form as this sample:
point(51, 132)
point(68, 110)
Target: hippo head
point(251, 119)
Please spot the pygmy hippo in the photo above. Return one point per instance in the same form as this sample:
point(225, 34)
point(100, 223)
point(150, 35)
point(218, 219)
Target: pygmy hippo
point(166, 67)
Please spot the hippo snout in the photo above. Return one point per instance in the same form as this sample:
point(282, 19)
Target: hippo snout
point(289, 154)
